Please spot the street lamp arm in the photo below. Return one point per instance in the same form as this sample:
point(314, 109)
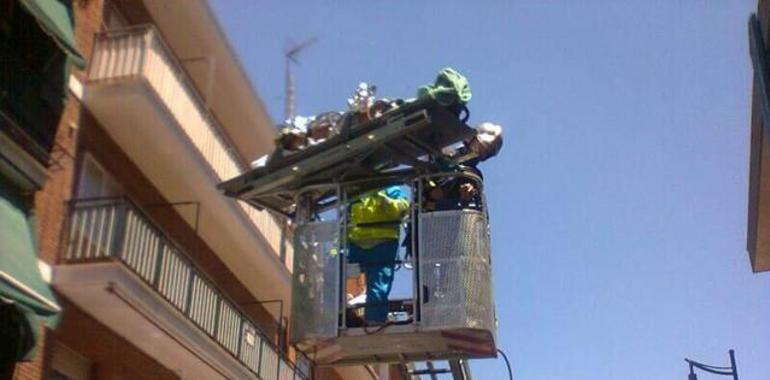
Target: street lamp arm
point(732, 370)
point(707, 367)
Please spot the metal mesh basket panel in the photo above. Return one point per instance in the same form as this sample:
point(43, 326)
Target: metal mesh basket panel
point(455, 272)
point(454, 234)
point(316, 268)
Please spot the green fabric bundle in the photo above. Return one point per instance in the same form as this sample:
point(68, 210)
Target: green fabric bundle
point(451, 88)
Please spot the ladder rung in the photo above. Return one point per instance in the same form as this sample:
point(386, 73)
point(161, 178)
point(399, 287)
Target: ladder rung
point(436, 371)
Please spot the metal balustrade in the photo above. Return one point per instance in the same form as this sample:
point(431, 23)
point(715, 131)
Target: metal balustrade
point(114, 229)
point(139, 53)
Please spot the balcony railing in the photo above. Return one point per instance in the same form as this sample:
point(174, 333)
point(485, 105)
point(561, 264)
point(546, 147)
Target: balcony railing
point(114, 229)
point(140, 53)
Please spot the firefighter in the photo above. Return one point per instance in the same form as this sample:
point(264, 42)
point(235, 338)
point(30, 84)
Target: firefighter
point(461, 192)
point(373, 235)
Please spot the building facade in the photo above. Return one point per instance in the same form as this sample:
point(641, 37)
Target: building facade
point(154, 274)
point(758, 240)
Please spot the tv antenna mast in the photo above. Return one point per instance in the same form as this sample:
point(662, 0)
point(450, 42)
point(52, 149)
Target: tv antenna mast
point(291, 57)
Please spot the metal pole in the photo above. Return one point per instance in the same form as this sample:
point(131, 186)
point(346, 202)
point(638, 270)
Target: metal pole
point(733, 365)
point(289, 106)
point(342, 257)
point(291, 56)
point(280, 316)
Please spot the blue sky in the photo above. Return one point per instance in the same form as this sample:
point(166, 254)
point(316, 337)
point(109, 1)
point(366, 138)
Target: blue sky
point(619, 200)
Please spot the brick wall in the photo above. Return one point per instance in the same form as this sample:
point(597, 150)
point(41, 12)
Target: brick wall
point(50, 201)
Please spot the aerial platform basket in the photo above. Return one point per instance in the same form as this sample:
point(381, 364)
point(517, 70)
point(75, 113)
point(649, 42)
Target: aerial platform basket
point(450, 314)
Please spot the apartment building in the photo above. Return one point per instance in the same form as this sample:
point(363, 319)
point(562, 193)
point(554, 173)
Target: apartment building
point(140, 268)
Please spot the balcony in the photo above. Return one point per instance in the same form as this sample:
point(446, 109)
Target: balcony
point(119, 267)
point(141, 96)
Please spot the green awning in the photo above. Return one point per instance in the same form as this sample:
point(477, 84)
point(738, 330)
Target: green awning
point(20, 280)
point(25, 298)
point(56, 19)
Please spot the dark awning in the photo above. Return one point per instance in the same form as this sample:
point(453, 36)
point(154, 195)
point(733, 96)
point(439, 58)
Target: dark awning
point(20, 280)
point(56, 19)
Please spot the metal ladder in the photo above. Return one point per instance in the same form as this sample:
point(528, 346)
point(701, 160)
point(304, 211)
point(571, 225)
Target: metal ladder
point(458, 368)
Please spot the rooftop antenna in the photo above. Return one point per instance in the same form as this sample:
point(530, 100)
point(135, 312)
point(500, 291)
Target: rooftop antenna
point(291, 57)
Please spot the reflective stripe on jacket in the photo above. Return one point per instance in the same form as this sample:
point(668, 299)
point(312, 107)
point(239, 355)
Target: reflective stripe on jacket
point(377, 217)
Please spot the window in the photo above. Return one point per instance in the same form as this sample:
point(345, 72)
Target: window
point(33, 76)
point(67, 364)
point(113, 18)
point(94, 181)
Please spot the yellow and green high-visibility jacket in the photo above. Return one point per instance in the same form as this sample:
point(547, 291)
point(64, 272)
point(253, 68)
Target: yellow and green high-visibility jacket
point(376, 217)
